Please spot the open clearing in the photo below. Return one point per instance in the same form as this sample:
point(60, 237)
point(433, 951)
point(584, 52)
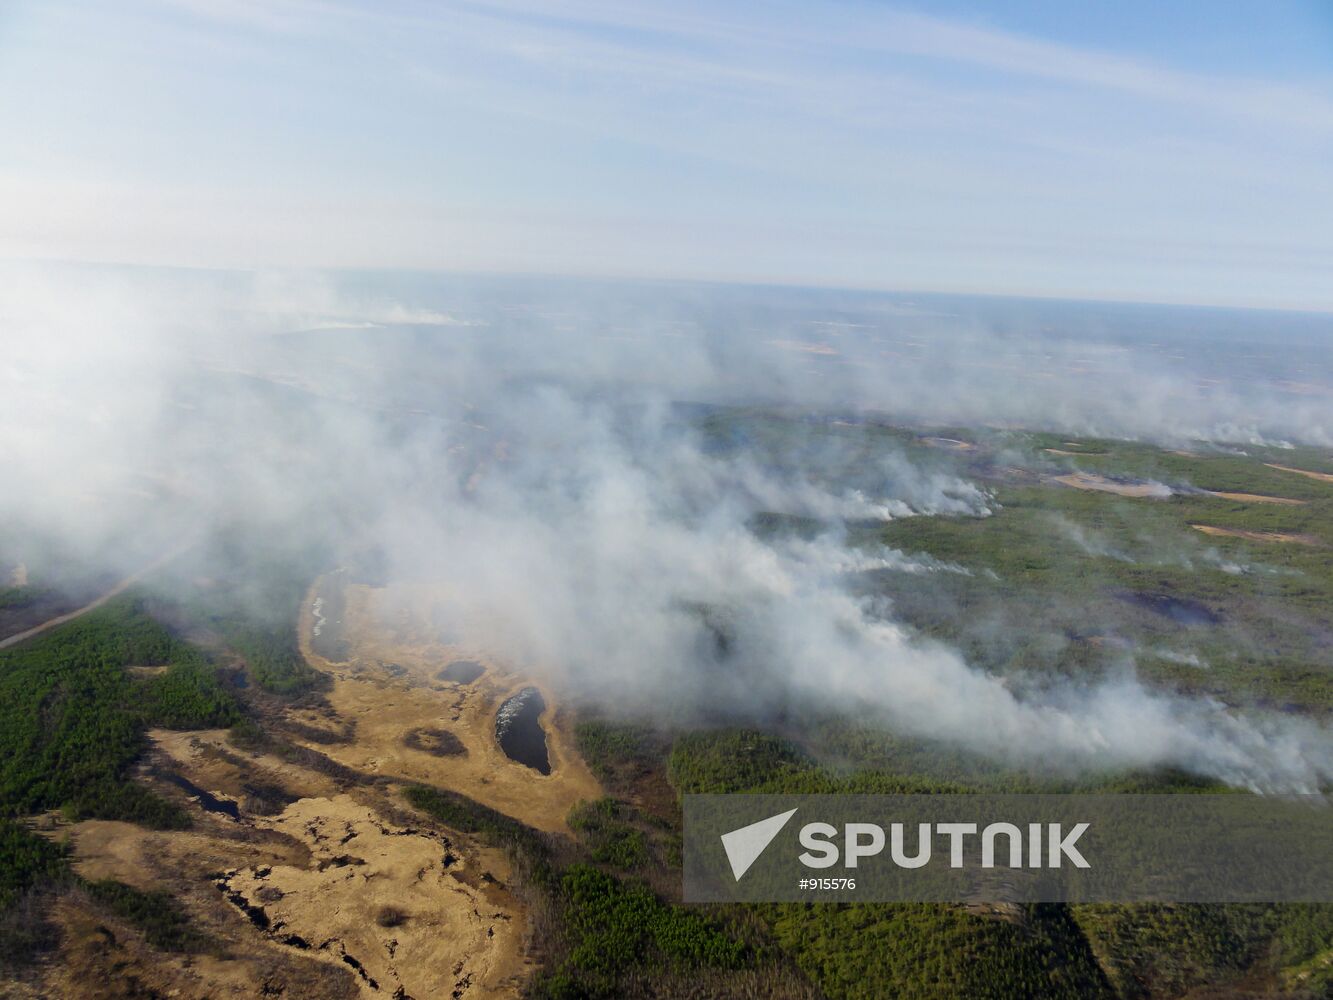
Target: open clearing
point(1258, 498)
point(340, 893)
point(951, 444)
point(1257, 536)
point(1323, 477)
point(400, 906)
point(1090, 481)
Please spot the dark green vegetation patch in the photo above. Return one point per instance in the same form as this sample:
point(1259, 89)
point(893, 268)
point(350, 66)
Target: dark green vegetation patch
point(27, 860)
point(864, 951)
point(614, 926)
point(156, 914)
point(72, 717)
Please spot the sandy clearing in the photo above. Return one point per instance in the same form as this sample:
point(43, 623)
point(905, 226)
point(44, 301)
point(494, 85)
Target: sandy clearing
point(140, 857)
point(408, 910)
point(102, 957)
point(1258, 498)
point(1323, 477)
point(323, 869)
point(120, 963)
point(1257, 536)
point(211, 762)
point(1090, 481)
point(390, 689)
point(952, 444)
point(155, 670)
point(1061, 451)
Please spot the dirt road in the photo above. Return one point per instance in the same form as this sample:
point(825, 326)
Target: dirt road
point(69, 616)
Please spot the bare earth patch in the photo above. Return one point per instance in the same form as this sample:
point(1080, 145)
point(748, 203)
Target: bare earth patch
point(1091, 481)
point(1258, 498)
point(1323, 477)
point(1257, 536)
point(150, 671)
point(952, 444)
point(297, 901)
point(403, 908)
point(102, 958)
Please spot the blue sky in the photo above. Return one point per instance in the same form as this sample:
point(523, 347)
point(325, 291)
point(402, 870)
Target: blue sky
point(1178, 152)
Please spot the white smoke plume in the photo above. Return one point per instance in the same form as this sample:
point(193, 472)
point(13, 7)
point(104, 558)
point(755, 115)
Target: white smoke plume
point(538, 470)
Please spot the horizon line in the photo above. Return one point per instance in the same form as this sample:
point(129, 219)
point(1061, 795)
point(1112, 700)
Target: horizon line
point(1090, 298)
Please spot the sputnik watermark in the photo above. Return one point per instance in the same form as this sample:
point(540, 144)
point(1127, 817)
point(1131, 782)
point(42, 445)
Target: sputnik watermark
point(866, 840)
point(1022, 848)
point(744, 846)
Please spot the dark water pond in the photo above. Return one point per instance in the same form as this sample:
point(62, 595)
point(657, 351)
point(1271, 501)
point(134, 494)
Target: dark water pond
point(326, 630)
point(520, 735)
point(461, 672)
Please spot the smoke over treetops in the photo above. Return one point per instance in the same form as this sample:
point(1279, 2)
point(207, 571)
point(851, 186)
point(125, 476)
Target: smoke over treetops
point(562, 460)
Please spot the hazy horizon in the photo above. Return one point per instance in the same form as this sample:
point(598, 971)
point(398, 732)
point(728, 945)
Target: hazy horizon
point(648, 280)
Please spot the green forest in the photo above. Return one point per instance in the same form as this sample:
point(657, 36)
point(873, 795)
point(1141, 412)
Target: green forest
point(72, 717)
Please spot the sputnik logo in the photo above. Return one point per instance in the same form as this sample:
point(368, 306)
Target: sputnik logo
point(744, 846)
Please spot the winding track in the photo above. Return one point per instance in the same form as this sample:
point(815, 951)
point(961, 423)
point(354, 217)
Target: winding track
point(92, 605)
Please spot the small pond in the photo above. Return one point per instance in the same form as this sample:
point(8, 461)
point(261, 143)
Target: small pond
point(519, 733)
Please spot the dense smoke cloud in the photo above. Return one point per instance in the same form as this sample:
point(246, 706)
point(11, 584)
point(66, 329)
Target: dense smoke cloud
point(526, 451)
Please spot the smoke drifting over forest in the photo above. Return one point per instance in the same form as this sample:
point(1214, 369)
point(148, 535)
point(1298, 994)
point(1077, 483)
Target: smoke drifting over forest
point(535, 449)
